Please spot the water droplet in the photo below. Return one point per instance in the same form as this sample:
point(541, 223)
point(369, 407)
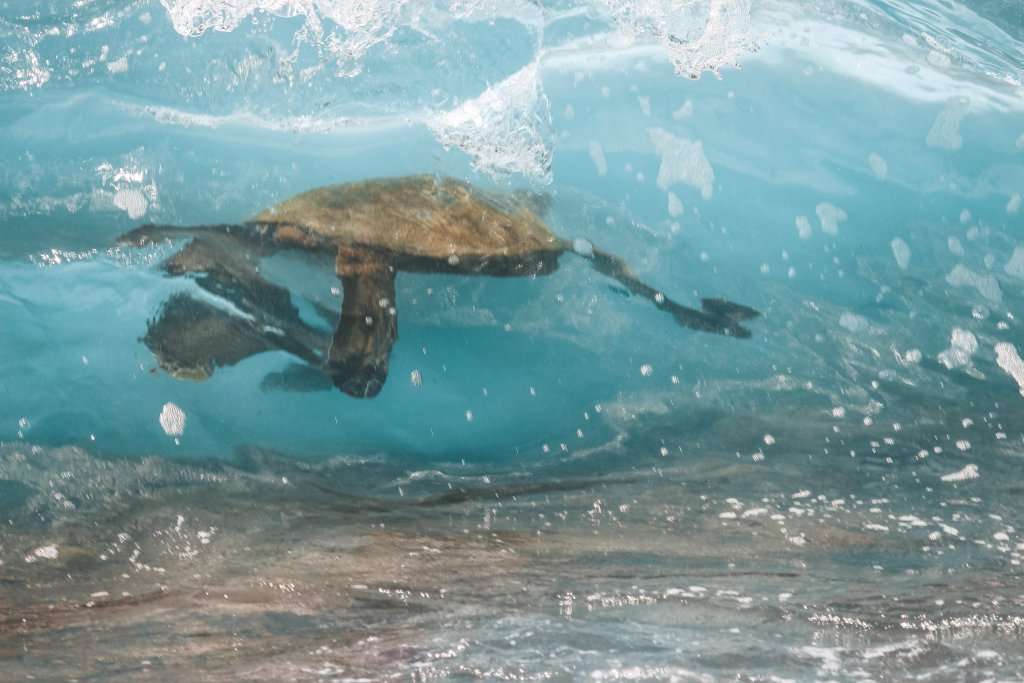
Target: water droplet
point(583, 247)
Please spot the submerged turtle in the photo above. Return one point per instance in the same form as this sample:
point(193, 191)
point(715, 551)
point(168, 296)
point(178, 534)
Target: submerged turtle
point(375, 229)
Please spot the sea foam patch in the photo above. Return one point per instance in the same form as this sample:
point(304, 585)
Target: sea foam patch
point(172, 420)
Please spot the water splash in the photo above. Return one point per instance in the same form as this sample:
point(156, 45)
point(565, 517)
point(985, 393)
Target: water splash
point(344, 30)
point(507, 129)
point(698, 36)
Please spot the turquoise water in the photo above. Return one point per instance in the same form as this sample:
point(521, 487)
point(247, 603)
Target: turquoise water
point(557, 481)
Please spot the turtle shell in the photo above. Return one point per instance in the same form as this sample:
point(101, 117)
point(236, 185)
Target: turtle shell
point(423, 216)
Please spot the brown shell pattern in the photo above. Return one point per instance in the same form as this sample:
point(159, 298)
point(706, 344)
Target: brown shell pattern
point(420, 216)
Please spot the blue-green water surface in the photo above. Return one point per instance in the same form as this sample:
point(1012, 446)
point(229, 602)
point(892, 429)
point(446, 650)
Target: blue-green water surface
point(557, 482)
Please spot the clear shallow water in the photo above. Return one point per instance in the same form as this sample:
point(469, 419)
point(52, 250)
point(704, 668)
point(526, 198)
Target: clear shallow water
point(577, 487)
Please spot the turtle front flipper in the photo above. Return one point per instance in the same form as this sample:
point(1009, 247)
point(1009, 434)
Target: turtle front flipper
point(358, 359)
point(224, 267)
point(150, 234)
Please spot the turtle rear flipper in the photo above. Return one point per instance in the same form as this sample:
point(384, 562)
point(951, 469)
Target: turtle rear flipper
point(726, 316)
point(716, 315)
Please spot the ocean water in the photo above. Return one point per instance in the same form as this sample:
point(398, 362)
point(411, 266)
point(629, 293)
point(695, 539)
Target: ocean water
point(557, 481)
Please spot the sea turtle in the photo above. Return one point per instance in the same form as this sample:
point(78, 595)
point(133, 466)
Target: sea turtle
point(374, 229)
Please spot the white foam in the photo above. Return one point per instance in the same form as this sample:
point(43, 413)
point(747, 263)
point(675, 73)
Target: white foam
point(1010, 361)
point(675, 205)
point(1013, 205)
point(597, 156)
point(987, 285)
point(830, 216)
point(939, 59)
point(963, 345)
point(698, 36)
point(132, 201)
point(853, 322)
point(1015, 266)
point(682, 161)
point(878, 166)
point(686, 111)
point(507, 129)
point(583, 247)
point(118, 66)
point(945, 132)
point(901, 252)
point(47, 552)
point(195, 17)
point(25, 64)
point(803, 227)
point(968, 472)
point(363, 24)
point(172, 419)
